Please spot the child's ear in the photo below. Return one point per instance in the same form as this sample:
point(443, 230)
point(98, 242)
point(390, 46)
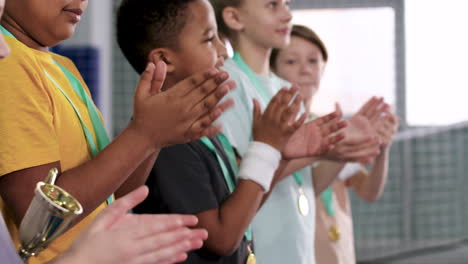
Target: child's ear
point(162, 54)
point(232, 18)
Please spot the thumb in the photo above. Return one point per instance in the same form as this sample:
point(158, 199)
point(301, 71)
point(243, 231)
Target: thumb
point(158, 77)
point(338, 110)
point(119, 209)
point(257, 113)
point(144, 85)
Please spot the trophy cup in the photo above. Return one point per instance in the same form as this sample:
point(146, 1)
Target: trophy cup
point(51, 212)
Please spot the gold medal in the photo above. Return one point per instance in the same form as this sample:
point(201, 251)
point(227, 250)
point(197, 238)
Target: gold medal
point(303, 203)
point(334, 233)
point(251, 259)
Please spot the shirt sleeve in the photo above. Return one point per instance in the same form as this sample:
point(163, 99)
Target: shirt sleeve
point(183, 178)
point(27, 131)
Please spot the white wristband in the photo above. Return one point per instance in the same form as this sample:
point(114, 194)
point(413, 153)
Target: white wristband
point(259, 164)
point(349, 170)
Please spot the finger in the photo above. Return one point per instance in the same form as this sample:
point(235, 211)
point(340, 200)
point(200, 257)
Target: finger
point(211, 131)
point(195, 244)
point(338, 110)
point(152, 224)
point(373, 108)
point(333, 140)
point(369, 105)
point(332, 126)
point(210, 86)
point(290, 115)
point(362, 154)
point(293, 92)
point(209, 102)
point(365, 108)
point(119, 208)
point(179, 258)
point(369, 145)
point(203, 126)
point(163, 239)
point(169, 252)
point(158, 78)
point(257, 112)
point(272, 106)
point(289, 93)
point(296, 125)
point(332, 117)
point(192, 83)
point(144, 84)
point(170, 236)
point(378, 111)
point(337, 126)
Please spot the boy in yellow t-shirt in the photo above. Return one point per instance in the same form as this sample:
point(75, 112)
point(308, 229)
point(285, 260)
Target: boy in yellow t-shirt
point(48, 119)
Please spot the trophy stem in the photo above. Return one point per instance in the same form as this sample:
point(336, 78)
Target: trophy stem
point(24, 254)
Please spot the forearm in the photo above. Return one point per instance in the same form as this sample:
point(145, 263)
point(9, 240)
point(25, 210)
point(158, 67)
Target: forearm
point(95, 180)
point(372, 187)
point(233, 219)
point(138, 177)
point(276, 178)
point(325, 174)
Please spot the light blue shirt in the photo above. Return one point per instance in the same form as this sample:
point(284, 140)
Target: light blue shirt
point(281, 234)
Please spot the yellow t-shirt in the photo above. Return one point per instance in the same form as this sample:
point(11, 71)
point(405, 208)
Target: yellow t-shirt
point(38, 125)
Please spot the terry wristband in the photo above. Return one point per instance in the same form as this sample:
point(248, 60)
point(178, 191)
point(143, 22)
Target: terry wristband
point(349, 170)
point(259, 164)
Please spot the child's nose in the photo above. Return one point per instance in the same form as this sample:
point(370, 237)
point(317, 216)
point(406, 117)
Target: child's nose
point(221, 48)
point(286, 16)
point(305, 68)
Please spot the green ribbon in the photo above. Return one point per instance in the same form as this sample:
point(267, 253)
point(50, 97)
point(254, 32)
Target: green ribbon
point(102, 139)
point(231, 155)
point(6, 32)
point(327, 199)
point(237, 58)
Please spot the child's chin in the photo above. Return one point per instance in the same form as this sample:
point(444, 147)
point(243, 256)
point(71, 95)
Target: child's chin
point(62, 34)
point(281, 44)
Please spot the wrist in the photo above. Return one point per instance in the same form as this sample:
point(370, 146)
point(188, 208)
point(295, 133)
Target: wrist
point(140, 137)
point(265, 139)
point(384, 149)
point(260, 164)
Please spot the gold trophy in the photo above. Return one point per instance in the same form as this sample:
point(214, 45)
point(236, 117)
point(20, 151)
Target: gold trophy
point(51, 212)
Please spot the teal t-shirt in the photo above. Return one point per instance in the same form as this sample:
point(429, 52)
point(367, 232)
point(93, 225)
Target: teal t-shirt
point(280, 233)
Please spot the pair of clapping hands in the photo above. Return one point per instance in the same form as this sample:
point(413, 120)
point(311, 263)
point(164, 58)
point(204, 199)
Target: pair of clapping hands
point(359, 139)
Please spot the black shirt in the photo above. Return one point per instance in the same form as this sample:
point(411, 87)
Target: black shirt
point(187, 179)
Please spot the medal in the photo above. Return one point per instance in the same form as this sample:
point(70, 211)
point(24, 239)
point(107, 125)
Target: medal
point(303, 203)
point(334, 233)
point(251, 257)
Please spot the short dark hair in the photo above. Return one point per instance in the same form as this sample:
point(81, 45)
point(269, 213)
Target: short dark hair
point(304, 33)
point(145, 25)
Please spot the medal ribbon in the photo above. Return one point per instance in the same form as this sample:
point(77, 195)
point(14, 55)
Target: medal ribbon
point(327, 199)
point(98, 127)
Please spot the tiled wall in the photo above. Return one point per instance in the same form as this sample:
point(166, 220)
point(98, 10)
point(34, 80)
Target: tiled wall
point(424, 203)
